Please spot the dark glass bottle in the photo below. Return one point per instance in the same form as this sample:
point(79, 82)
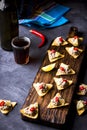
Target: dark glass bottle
point(8, 23)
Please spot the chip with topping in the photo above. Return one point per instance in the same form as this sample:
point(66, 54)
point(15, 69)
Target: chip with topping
point(6, 106)
point(59, 41)
point(81, 106)
point(82, 89)
point(53, 55)
point(64, 69)
point(75, 41)
point(42, 88)
point(74, 51)
point(57, 101)
point(62, 83)
point(30, 111)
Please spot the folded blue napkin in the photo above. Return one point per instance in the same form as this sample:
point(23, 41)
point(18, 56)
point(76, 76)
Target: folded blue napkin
point(52, 17)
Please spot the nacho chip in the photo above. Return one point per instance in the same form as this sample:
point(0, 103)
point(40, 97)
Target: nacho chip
point(64, 69)
point(74, 51)
point(42, 88)
point(57, 101)
point(62, 83)
point(59, 41)
point(82, 89)
point(75, 41)
point(30, 111)
point(81, 106)
point(6, 106)
point(54, 55)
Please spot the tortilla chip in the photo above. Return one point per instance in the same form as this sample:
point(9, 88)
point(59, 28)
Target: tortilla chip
point(10, 109)
point(62, 102)
point(69, 73)
point(22, 111)
point(57, 56)
point(81, 92)
point(59, 87)
point(74, 55)
point(75, 41)
point(55, 42)
point(80, 107)
point(35, 85)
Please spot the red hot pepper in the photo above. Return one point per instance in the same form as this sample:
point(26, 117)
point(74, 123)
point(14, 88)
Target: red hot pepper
point(39, 35)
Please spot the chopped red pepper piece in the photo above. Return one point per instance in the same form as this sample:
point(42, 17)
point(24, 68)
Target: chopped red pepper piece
point(81, 88)
point(85, 102)
point(39, 35)
point(2, 103)
point(61, 39)
point(75, 37)
point(56, 99)
point(61, 68)
point(75, 48)
point(32, 109)
point(41, 87)
point(53, 51)
point(64, 80)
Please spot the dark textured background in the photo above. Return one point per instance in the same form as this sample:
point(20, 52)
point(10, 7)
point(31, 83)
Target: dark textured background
point(16, 80)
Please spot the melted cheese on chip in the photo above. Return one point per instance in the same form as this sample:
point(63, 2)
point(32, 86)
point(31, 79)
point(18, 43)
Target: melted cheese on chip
point(64, 69)
point(59, 41)
point(57, 101)
point(82, 89)
point(42, 88)
point(30, 111)
point(7, 106)
point(75, 41)
point(54, 55)
point(74, 52)
point(62, 83)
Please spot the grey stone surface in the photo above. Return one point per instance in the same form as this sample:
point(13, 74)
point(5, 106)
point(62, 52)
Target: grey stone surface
point(16, 80)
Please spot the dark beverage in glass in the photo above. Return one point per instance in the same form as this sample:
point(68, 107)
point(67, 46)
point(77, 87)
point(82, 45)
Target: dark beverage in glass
point(20, 47)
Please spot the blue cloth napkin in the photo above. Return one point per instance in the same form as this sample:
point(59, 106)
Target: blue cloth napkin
point(50, 18)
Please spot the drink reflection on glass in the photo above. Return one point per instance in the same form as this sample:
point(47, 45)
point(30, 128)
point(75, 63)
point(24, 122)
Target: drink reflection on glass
point(20, 46)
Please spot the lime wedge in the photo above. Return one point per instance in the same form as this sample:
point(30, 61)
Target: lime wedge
point(49, 67)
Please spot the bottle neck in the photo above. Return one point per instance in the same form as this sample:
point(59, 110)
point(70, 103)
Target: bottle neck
point(7, 3)
point(10, 2)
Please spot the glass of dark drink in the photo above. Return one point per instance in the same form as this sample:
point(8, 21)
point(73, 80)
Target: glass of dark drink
point(20, 46)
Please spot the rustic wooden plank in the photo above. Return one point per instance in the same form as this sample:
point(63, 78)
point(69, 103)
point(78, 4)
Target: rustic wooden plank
point(54, 116)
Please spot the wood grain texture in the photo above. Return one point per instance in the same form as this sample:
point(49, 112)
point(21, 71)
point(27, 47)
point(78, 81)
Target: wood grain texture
point(58, 115)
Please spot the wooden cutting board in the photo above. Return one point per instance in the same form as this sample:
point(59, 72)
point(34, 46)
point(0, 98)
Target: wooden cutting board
point(55, 116)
